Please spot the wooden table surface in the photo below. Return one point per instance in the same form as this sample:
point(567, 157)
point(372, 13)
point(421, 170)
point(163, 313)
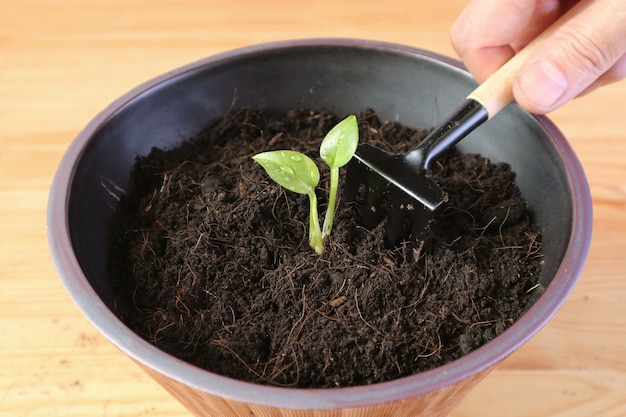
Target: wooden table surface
point(63, 61)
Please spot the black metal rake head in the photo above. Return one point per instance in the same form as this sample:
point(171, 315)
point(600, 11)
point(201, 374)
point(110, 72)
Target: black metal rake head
point(393, 189)
point(397, 186)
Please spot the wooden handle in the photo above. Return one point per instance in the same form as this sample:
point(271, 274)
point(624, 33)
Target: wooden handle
point(497, 90)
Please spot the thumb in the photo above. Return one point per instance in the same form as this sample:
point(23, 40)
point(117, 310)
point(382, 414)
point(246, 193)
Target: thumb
point(572, 59)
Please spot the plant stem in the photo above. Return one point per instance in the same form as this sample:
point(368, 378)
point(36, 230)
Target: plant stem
point(332, 202)
point(315, 233)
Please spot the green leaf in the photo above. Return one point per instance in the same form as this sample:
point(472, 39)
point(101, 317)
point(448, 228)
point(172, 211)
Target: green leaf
point(290, 169)
point(340, 143)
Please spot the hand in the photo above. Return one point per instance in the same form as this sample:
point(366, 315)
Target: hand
point(588, 51)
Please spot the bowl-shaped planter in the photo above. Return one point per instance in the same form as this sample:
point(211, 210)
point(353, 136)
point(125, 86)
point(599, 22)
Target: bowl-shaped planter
point(341, 76)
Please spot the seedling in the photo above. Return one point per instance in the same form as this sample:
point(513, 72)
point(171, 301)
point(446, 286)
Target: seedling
point(336, 150)
point(298, 173)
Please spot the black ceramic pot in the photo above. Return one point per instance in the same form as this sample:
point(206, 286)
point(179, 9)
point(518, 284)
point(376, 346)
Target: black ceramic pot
point(409, 85)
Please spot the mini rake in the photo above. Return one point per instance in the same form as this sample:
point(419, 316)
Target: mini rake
point(401, 180)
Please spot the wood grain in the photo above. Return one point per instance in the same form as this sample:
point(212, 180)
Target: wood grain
point(63, 61)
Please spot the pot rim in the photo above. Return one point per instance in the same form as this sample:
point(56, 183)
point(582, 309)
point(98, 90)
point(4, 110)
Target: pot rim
point(101, 317)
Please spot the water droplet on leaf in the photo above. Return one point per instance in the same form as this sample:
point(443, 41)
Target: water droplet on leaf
point(287, 169)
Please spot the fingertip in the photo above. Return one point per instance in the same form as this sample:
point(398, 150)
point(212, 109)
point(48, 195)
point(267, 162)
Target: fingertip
point(540, 87)
point(460, 30)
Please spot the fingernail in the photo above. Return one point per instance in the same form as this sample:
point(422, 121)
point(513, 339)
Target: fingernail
point(543, 84)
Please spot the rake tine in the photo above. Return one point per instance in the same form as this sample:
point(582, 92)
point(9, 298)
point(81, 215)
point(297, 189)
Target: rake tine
point(355, 172)
point(376, 188)
point(358, 174)
point(420, 223)
point(396, 222)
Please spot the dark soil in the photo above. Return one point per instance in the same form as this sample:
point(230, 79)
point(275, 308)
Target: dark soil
point(211, 263)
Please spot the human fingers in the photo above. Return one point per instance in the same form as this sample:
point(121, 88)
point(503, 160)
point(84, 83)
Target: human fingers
point(489, 32)
point(616, 73)
point(587, 51)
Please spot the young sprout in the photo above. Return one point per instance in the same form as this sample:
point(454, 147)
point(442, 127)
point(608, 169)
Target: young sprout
point(298, 173)
point(336, 150)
